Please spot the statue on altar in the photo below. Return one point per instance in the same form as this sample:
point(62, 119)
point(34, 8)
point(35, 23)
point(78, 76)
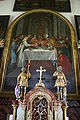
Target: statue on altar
point(39, 103)
point(60, 83)
point(22, 84)
point(22, 80)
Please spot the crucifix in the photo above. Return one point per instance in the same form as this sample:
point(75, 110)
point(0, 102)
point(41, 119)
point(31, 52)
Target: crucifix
point(41, 70)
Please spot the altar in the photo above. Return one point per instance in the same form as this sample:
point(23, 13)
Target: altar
point(39, 103)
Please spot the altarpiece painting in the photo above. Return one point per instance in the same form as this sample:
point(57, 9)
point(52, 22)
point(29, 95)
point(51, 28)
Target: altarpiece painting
point(57, 5)
point(3, 27)
point(45, 39)
point(77, 19)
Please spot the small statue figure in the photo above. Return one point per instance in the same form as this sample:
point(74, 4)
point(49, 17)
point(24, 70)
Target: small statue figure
point(22, 80)
point(60, 81)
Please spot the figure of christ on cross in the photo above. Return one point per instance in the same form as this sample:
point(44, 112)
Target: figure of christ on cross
point(41, 70)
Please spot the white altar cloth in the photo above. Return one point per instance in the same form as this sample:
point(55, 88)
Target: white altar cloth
point(39, 54)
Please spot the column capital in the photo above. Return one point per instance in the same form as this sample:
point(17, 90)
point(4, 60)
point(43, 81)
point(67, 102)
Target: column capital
point(15, 103)
point(57, 106)
point(23, 104)
point(15, 106)
point(64, 108)
point(64, 105)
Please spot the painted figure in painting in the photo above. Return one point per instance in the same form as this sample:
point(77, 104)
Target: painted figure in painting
point(64, 61)
point(53, 57)
point(20, 51)
point(18, 45)
point(14, 47)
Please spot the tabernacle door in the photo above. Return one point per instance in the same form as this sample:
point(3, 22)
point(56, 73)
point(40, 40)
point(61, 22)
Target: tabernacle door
point(39, 104)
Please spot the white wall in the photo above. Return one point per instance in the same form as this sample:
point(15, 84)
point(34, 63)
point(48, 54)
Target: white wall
point(6, 8)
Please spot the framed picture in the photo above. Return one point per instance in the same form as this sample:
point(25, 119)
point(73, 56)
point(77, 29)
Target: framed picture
point(45, 38)
point(4, 19)
point(77, 19)
point(57, 5)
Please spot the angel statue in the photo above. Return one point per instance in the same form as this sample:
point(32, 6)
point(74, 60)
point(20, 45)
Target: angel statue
point(60, 83)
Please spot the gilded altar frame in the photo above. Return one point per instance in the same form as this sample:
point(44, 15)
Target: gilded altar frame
point(7, 46)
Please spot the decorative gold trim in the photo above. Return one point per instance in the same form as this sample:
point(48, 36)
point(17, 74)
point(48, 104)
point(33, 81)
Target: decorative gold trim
point(8, 40)
point(79, 44)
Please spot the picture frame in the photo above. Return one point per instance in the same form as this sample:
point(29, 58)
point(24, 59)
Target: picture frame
point(77, 20)
point(72, 51)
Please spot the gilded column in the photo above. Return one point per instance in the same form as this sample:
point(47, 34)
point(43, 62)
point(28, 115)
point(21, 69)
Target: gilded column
point(23, 106)
point(64, 108)
point(15, 106)
point(56, 107)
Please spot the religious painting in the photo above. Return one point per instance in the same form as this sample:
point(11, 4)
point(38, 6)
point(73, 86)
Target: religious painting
point(57, 5)
point(44, 39)
point(77, 19)
point(3, 27)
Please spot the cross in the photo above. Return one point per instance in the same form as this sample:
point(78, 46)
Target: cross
point(41, 70)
